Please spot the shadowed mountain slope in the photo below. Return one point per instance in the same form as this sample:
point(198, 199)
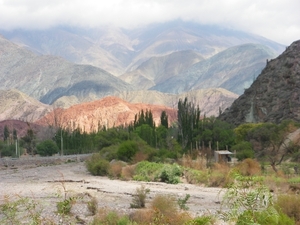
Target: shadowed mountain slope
point(275, 94)
point(48, 78)
point(233, 69)
point(158, 69)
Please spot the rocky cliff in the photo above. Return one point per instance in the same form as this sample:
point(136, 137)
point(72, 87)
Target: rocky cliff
point(275, 94)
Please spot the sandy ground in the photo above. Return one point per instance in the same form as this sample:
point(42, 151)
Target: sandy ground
point(48, 184)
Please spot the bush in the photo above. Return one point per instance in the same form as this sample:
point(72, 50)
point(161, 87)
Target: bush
point(289, 204)
point(147, 171)
point(249, 167)
point(139, 198)
point(127, 150)
point(47, 148)
point(150, 171)
point(194, 176)
point(171, 174)
point(97, 166)
point(110, 218)
point(203, 220)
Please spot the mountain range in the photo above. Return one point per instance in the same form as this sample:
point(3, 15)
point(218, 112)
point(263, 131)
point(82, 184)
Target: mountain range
point(155, 64)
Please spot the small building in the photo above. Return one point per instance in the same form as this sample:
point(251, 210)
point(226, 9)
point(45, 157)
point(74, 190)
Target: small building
point(223, 156)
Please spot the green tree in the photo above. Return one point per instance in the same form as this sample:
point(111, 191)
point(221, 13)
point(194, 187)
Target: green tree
point(164, 119)
point(6, 133)
point(127, 150)
point(188, 121)
point(29, 140)
point(47, 148)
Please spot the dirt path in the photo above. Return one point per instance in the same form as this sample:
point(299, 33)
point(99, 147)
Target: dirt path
point(46, 182)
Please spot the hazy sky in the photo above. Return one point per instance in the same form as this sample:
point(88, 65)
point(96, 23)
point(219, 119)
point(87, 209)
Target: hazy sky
point(278, 20)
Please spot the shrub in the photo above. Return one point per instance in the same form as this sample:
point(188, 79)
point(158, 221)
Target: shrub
point(147, 171)
point(110, 218)
point(203, 220)
point(97, 166)
point(171, 174)
point(47, 148)
point(165, 204)
point(194, 176)
point(249, 167)
point(248, 200)
point(64, 207)
point(139, 198)
point(115, 169)
point(143, 216)
point(128, 172)
point(150, 171)
point(92, 206)
point(127, 150)
point(182, 202)
point(289, 204)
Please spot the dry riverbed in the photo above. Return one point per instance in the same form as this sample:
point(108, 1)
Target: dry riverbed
point(49, 184)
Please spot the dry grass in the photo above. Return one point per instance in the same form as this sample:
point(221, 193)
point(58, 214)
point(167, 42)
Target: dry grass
point(219, 176)
point(115, 169)
point(128, 172)
point(188, 161)
point(249, 167)
point(139, 156)
point(289, 204)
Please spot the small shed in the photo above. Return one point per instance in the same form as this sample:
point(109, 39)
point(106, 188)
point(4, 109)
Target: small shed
point(223, 156)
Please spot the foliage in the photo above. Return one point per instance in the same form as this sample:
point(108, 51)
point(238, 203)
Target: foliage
point(243, 150)
point(127, 150)
point(6, 133)
point(194, 176)
point(188, 120)
point(29, 140)
point(139, 198)
point(17, 210)
point(97, 166)
point(248, 199)
point(147, 171)
point(203, 220)
point(183, 201)
point(170, 174)
point(8, 150)
point(64, 207)
point(92, 206)
point(151, 171)
point(47, 148)
point(110, 218)
point(164, 119)
point(270, 141)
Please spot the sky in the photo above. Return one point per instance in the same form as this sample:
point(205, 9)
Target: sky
point(278, 20)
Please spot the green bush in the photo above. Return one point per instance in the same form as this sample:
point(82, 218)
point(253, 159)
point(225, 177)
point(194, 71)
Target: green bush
point(194, 176)
point(147, 171)
point(170, 174)
point(97, 166)
point(151, 171)
point(47, 148)
point(203, 220)
point(127, 150)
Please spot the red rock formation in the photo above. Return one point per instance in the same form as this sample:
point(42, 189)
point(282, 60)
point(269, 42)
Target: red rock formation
point(108, 112)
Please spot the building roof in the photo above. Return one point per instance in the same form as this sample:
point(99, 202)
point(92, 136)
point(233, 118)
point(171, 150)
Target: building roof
point(223, 152)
